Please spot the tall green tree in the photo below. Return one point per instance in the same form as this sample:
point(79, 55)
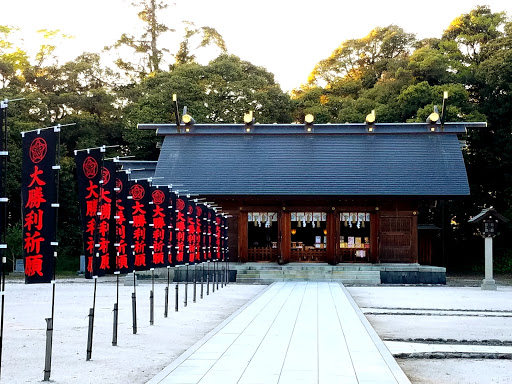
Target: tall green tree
point(220, 92)
point(150, 52)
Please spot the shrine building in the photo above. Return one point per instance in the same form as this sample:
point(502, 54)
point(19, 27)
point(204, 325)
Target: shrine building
point(324, 193)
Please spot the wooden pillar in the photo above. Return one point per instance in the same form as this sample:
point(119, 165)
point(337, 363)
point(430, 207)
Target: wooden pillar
point(285, 236)
point(374, 237)
point(332, 237)
point(243, 240)
point(414, 238)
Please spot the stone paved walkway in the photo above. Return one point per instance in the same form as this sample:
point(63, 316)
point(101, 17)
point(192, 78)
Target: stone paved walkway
point(294, 332)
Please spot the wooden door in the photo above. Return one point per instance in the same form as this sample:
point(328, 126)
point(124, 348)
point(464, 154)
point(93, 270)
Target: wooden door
point(398, 237)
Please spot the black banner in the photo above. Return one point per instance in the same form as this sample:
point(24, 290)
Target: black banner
point(173, 234)
point(224, 242)
point(88, 168)
point(200, 255)
point(123, 215)
point(39, 192)
point(191, 232)
point(160, 224)
point(181, 230)
point(141, 218)
point(106, 211)
point(209, 233)
point(218, 237)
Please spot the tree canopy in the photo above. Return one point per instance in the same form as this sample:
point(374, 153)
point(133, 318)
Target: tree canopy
point(388, 71)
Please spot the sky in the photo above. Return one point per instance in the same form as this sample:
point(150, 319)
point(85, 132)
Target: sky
point(287, 37)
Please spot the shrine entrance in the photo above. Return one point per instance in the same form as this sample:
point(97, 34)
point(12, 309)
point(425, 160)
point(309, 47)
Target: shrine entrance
point(309, 237)
point(331, 235)
point(262, 236)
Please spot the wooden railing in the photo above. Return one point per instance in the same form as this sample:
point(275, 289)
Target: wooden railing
point(262, 254)
point(312, 255)
point(348, 255)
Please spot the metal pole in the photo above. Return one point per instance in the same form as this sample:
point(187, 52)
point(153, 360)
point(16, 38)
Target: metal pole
point(91, 322)
point(3, 214)
point(208, 278)
point(49, 338)
point(116, 312)
point(202, 278)
point(134, 306)
point(186, 287)
point(152, 298)
point(48, 355)
point(166, 301)
point(217, 277)
point(177, 289)
point(222, 275)
point(195, 289)
point(213, 277)
point(50, 321)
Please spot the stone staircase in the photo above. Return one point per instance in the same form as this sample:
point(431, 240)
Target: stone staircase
point(348, 274)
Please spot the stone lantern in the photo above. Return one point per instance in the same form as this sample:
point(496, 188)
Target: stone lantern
point(488, 221)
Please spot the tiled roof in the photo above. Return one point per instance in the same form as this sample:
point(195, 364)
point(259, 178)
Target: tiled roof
point(400, 163)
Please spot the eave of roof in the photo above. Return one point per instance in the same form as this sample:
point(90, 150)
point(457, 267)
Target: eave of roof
point(316, 129)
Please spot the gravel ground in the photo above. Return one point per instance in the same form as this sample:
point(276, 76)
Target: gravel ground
point(136, 359)
point(483, 317)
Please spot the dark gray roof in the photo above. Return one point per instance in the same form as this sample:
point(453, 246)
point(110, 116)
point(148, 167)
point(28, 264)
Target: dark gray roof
point(398, 164)
point(489, 213)
point(139, 169)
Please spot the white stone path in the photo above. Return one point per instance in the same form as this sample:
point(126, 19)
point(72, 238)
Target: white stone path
point(293, 332)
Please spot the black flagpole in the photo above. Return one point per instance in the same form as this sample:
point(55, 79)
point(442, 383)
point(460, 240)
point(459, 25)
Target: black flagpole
point(134, 305)
point(166, 302)
point(50, 321)
point(152, 298)
point(95, 278)
point(117, 272)
point(3, 212)
point(116, 311)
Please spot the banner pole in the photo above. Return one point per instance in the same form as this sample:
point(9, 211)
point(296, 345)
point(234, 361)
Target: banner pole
point(134, 305)
point(208, 278)
point(91, 322)
point(166, 300)
point(222, 274)
point(152, 298)
point(116, 311)
point(177, 288)
point(49, 337)
point(202, 279)
point(3, 213)
point(214, 275)
point(194, 289)
point(50, 321)
point(186, 287)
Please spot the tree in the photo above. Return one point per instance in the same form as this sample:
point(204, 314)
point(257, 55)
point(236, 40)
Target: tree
point(366, 58)
point(220, 92)
point(473, 30)
point(208, 36)
point(13, 60)
point(148, 47)
point(145, 46)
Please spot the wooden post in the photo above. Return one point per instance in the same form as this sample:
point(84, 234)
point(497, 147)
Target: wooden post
point(285, 235)
point(331, 237)
point(374, 237)
point(243, 240)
